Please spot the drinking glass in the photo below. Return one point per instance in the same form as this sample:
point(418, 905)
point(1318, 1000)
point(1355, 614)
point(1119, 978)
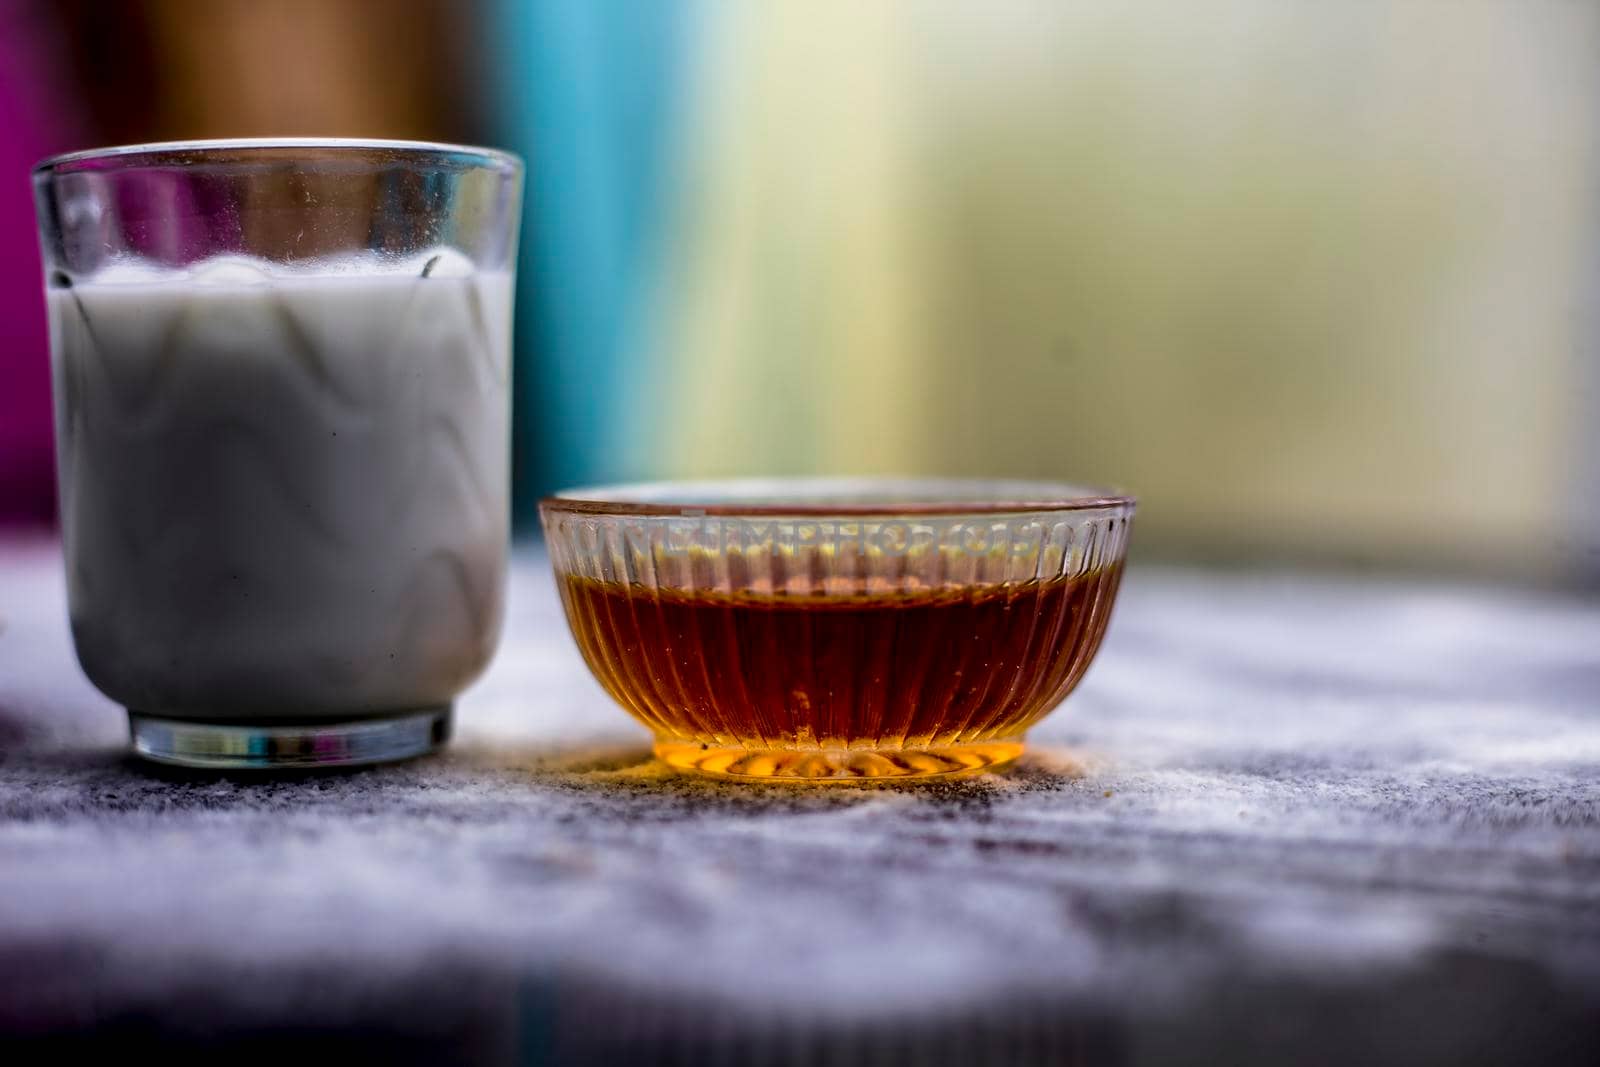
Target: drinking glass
point(281, 383)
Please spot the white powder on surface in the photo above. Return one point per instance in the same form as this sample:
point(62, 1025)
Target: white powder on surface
point(1267, 784)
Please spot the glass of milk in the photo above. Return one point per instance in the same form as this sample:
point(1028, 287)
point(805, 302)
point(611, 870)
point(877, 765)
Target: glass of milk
point(282, 400)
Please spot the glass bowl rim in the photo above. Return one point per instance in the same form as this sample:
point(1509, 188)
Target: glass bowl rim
point(167, 153)
point(680, 498)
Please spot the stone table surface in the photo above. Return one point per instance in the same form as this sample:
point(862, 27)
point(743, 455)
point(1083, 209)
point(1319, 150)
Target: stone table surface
point(1285, 819)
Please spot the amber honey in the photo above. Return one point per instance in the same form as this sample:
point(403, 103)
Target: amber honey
point(779, 685)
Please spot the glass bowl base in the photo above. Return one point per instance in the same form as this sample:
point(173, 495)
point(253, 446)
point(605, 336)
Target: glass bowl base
point(836, 764)
point(278, 746)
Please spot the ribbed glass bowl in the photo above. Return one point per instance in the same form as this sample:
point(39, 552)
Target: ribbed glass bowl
point(836, 630)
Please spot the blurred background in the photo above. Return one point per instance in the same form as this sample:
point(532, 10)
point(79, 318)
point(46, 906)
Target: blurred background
point(1317, 281)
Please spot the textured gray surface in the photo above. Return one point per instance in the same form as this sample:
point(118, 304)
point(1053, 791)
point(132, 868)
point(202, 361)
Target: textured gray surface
point(1285, 819)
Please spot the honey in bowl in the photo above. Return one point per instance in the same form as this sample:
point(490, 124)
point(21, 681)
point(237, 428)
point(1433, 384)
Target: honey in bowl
point(842, 651)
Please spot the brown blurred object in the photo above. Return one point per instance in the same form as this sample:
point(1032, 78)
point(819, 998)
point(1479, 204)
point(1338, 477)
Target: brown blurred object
point(153, 70)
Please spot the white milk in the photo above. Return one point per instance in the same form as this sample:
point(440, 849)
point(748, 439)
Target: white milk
point(284, 497)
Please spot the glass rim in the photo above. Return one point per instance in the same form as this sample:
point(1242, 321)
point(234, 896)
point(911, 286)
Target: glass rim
point(131, 154)
point(919, 496)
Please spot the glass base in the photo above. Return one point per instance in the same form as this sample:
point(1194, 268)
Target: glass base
point(306, 745)
point(837, 764)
